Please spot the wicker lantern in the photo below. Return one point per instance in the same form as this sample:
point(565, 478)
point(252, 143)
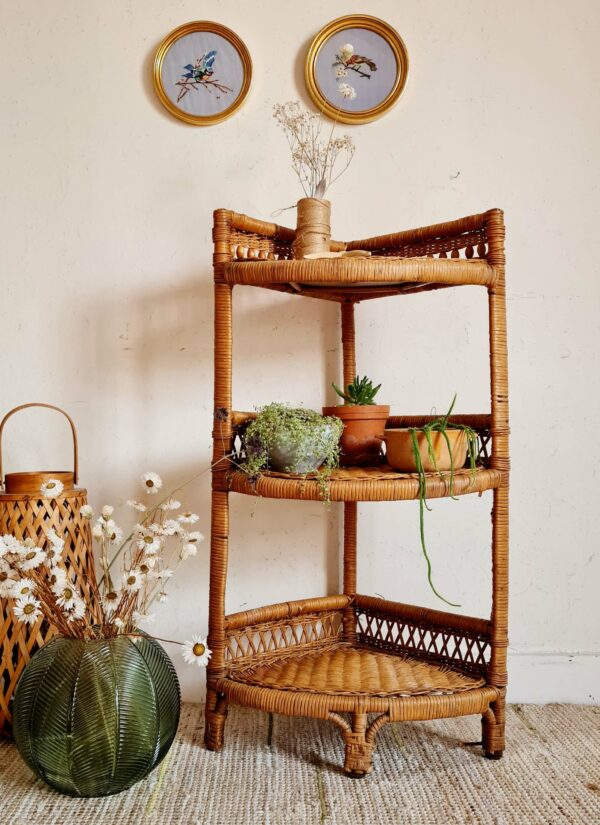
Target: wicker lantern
point(26, 513)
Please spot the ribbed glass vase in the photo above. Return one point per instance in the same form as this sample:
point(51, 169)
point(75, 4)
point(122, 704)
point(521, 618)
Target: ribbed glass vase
point(91, 718)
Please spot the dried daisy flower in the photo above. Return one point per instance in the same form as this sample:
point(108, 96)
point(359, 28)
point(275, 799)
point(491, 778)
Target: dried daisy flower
point(113, 532)
point(66, 595)
point(57, 578)
point(23, 587)
point(132, 581)
point(196, 651)
point(188, 551)
point(27, 609)
point(136, 505)
point(7, 583)
point(149, 544)
point(110, 601)
point(30, 556)
point(52, 488)
point(188, 518)
point(171, 527)
point(86, 512)
point(76, 611)
point(152, 482)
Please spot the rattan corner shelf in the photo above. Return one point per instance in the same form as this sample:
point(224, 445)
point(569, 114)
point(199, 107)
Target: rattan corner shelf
point(357, 660)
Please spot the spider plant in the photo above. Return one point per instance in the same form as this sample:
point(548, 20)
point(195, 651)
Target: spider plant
point(440, 425)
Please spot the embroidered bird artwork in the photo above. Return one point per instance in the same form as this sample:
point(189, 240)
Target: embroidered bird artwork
point(346, 60)
point(200, 76)
point(203, 67)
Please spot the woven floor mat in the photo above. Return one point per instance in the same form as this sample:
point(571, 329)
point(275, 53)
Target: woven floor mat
point(280, 771)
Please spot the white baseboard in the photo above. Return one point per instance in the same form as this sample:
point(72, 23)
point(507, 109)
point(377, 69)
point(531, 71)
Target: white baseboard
point(535, 678)
point(541, 677)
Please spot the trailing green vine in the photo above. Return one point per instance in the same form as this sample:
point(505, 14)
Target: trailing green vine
point(440, 425)
point(304, 434)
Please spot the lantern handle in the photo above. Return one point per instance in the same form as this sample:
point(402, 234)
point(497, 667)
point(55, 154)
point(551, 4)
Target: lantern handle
point(48, 407)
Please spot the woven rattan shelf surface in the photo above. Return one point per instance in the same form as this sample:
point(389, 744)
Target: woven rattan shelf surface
point(345, 669)
point(360, 274)
point(363, 484)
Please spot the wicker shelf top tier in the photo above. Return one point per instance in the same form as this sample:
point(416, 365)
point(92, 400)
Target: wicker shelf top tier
point(457, 253)
point(380, 483)
point(336, 278)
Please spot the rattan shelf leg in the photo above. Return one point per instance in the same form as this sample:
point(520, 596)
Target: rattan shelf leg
point(359, 752)
point(350, 507)
point(216, 703)
point(492, 730)
point(359, 741)
point(494, 719)
point(350, 526)
point(215, 716)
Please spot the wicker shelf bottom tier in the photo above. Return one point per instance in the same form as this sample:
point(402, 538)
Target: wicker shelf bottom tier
point(344, 677)
point(345, 669)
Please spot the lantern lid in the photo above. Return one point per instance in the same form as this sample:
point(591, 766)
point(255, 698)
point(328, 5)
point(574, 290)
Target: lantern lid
point(30, 483)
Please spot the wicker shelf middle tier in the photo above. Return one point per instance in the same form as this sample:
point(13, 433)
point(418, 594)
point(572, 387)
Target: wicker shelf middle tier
point(380, 483)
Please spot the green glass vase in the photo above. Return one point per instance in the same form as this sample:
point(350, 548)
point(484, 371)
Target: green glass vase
point(91, 718)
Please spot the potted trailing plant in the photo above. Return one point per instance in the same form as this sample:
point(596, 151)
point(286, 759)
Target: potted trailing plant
point(97, 707)
point(291, 440)
point(440, 447)
point(364, 422)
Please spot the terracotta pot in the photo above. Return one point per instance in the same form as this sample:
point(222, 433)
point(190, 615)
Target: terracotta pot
point(401, 457)
point(363, 432)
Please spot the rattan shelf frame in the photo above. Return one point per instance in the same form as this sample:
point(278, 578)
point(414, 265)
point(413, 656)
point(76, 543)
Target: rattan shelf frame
point(403, 662)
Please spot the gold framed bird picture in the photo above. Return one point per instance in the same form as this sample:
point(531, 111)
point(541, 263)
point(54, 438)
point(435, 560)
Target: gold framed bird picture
point(356, 68)
point(202, 73)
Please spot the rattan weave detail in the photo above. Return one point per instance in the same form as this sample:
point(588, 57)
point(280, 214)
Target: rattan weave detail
point(361, 271)
point(363, 484)
point(344, 669)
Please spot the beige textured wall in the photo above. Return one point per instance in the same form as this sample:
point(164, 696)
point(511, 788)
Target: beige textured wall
point(106, 301)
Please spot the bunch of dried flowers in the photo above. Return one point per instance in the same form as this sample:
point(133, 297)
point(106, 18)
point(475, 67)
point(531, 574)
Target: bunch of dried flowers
point(318, 161)
point(37, 581)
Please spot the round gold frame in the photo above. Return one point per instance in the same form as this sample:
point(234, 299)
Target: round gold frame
point(239, 46)
point(357, 21)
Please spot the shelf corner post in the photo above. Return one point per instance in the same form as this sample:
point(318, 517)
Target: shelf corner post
point(493, 721)
point(216, 704)
point(350, 507)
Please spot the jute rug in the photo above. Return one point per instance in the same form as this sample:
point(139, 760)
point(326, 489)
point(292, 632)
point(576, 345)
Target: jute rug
point(277, 770)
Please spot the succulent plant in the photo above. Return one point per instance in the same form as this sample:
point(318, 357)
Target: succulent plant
point(360, 392)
